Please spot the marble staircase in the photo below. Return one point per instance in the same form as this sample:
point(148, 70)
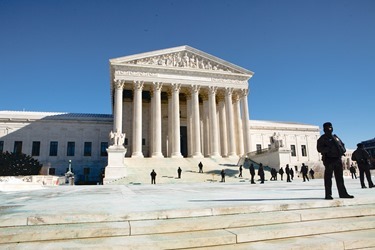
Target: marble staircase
point(333, 224)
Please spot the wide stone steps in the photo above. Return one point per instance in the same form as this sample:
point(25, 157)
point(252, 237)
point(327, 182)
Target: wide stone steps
point(341, 227)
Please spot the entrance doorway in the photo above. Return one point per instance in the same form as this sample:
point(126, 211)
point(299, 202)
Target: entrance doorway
point(183, 141)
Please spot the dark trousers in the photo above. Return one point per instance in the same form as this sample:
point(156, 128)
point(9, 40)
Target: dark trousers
point(252, 178)
point(362, 172)
point(153, 180)
point(334, 166)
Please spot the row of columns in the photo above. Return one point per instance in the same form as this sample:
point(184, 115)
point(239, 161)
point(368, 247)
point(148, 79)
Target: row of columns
point(232, 128)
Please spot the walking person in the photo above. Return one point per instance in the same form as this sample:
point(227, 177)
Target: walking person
point(153, 177)
point(332, 149)
point(287, 171)
point(362, 157)
point(252, 173)
point(240, 175)
point(261, 173)
point(179, 171)
point(304, 171)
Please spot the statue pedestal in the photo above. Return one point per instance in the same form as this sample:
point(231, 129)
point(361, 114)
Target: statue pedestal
point(116, 168)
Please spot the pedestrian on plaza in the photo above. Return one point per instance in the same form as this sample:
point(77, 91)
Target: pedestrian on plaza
point(311, 172)
point(261, 173)
point(304, 171)
point(291, 172)
point(200, 165)
point(222, 175)
point(252, 173)
point(332, 149)
point(179, 170)
point(281, 172)
point(362, 157)
point(287, 171)
point(153, 177)
point(353, 171)
point(273, 174)
point(240, 175)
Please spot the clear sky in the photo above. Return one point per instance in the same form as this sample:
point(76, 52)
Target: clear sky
point(314, 60)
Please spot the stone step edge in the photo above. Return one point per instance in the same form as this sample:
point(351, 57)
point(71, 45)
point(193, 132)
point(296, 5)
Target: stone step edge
point(133, 228)
point(40, 219)
point(198, 239)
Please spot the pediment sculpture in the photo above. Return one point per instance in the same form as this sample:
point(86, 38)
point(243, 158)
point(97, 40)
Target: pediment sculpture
point(182, 59)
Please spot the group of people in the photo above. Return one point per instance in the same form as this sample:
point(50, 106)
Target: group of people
point(332, 149)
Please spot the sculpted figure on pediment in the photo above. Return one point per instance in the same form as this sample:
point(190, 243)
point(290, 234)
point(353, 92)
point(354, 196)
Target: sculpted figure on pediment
point(183, 60)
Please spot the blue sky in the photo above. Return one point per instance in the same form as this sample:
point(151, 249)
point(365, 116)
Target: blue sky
point(314, 61)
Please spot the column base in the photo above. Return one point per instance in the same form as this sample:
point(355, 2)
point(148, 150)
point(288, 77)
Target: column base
point(157, 155)
point(215, 155)
point(176, 155)
point(137, 155)
point(197, 155)
point(232, 155)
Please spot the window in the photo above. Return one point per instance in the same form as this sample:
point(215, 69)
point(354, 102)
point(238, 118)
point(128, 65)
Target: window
point(259, 148)
point(51, 171)
point(303, 148)
point(143, 141)
point(17, 147)
point(35, 151)
point(269, 146)
point(86, 171)
point(1, 146)
point(53, 148)
point(293, 149)
point(87, 149)
point(70, 149)
point(103, 148)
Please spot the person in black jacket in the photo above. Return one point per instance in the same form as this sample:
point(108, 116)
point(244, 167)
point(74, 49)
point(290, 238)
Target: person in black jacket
point(362, 157)
point(261, 173)
point(332, 149)
point(252, 173)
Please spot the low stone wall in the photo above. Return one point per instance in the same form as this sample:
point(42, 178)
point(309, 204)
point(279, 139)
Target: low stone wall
point(43, 180)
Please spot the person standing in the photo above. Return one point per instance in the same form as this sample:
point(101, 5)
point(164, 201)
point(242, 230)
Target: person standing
point(252, 173)
point(153, 177)
point(200, 166)
point(179, 170)
point(240, 175)
point(353, 171)
point(362, 157)
point(291, 171)
point(311, 172)
point(332, 149)
point(261, 173)
point(287, 171)
point(222, 175)
point(281, 172)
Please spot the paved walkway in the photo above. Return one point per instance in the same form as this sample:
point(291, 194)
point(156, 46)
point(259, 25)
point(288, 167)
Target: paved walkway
point(88, 203)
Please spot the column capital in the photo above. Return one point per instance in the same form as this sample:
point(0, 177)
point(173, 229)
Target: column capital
point(212, 90)
point(138, 85)
point(244, 92)
point(176, 87)
point(119, 84)
point(195, 88)
point(229, 91)
point(157, 86)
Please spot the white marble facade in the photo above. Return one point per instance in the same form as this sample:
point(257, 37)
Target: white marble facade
point(181, 102)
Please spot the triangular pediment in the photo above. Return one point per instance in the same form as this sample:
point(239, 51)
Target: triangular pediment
point(182, 57)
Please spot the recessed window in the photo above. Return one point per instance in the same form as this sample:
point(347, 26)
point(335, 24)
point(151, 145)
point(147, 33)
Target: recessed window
point(17, 147)
point(71, 148)
point(53, 148)
point(303, 149)
point(87, 149)
point(103, 148)
point(51, 171)
point(293, 149)
point(259, 148)
point(35, 151)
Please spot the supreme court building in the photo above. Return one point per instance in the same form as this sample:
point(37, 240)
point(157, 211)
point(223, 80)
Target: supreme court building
point(172, 103)
point(181, 102)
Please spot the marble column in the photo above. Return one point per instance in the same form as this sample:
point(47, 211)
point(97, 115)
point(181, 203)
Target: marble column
point(137, 120)
point(176, 141)
point(206, 125)
point(222, 125)
point(170, 127)
point(197, 151)
point(245, 121)
point(230, 122)
point(214, 139)
point(117, 126)
point(238, 125)
point(189, 123)
point(156, 110)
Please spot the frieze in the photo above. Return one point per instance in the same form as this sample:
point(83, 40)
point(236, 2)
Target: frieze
point(182, 60)
point(134, 73)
